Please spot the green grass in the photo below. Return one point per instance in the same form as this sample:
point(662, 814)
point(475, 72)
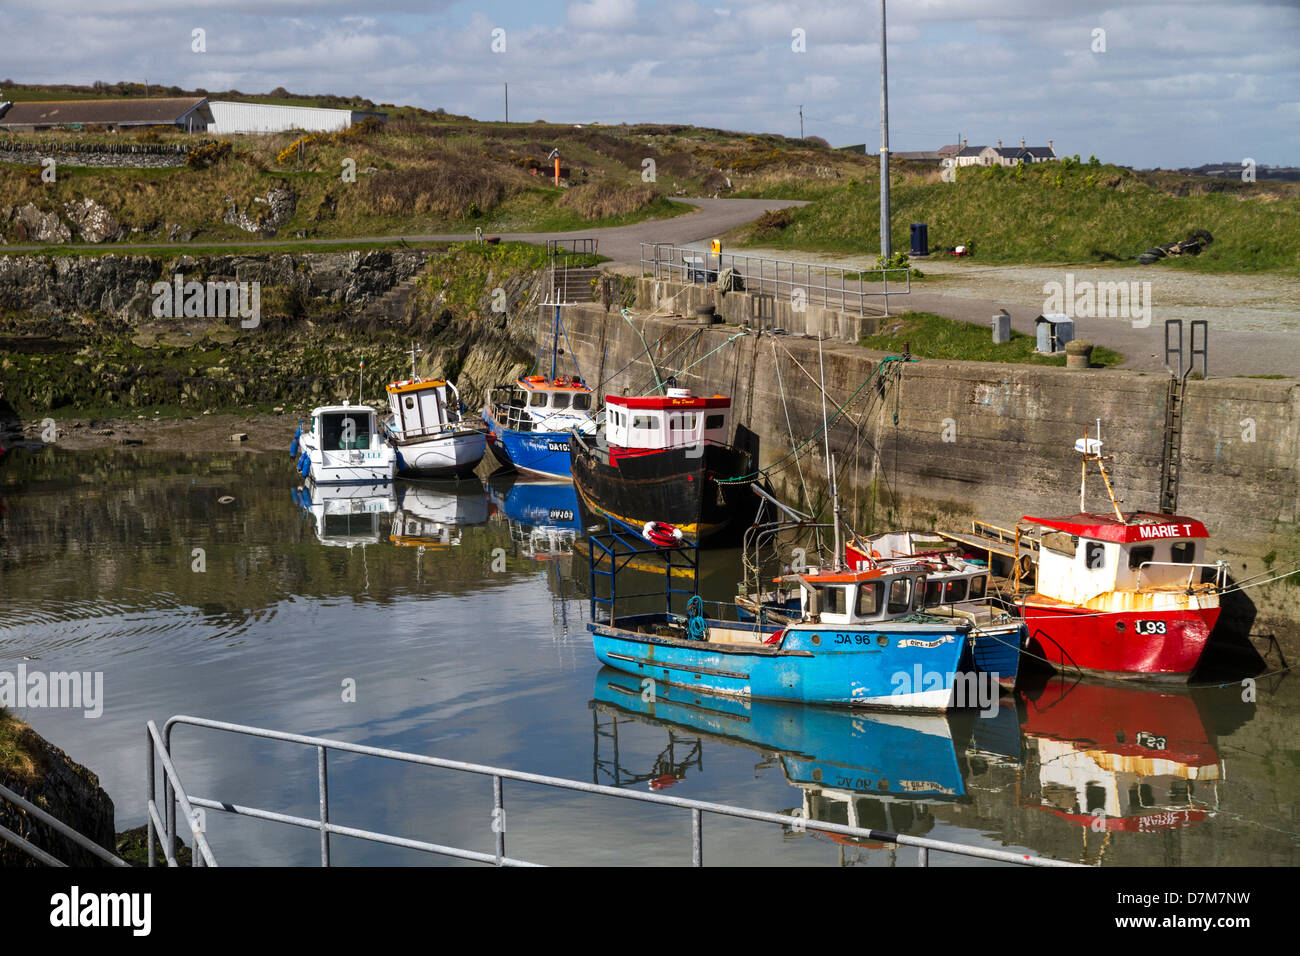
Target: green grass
point(1055, 213)
point(936, 337)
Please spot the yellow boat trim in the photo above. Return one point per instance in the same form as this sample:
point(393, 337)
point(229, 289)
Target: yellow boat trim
point(396, 388)
point(691, 529)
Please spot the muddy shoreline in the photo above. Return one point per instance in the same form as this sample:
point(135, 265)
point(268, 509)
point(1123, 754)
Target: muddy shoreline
point(206, 433)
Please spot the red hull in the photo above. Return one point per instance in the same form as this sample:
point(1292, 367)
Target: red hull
point(1120, 644)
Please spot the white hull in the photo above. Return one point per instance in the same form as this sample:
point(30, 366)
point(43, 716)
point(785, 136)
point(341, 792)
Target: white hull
point(446, 456)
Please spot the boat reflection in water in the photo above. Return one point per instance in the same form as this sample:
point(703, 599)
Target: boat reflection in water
point(431, 514)
point(869, 769)
point(347, 515)
point(543, 515)
point(1118, 758)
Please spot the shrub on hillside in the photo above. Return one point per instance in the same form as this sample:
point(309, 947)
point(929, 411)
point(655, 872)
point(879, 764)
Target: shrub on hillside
point(457, 188)
point(604, 200)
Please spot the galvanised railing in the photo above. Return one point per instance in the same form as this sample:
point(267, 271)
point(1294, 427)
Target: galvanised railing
point(829, 286)
point(162, 749)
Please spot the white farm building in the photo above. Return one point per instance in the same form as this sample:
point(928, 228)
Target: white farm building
point(229, 117)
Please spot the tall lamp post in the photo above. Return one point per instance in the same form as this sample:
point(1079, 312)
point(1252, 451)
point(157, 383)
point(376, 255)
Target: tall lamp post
point(885, 249)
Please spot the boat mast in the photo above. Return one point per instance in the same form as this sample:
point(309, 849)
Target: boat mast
point(413, 351)
point(830, 460)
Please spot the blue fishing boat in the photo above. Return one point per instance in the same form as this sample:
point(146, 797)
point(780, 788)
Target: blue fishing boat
point(863, 638)
point(529, 421)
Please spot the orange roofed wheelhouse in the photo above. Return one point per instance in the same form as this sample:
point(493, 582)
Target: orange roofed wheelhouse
point(1123, 595)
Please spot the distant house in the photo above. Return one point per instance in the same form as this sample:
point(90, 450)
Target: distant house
point(233, 117)
point(1000, 155)
point(189, 113)
point(969, 155)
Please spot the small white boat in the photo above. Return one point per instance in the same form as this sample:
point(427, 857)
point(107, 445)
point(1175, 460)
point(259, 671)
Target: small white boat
point(427, 430)
point(343, 445)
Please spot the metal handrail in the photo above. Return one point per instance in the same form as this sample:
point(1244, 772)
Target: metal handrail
point(1220, 570)
point(764, 275)
point(58, 826)
point(499, 775)
point(173, 791)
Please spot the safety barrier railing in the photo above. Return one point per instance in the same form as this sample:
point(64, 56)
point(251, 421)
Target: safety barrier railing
point(58, 826)
point(499, 775)
point(847, 290)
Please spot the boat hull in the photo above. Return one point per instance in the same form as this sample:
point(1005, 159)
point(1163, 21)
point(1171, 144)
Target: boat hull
point(995, 650)
point(447, 456)
point(912, 666)
point(1124, 645)
point(672, 486)
point(545, 454)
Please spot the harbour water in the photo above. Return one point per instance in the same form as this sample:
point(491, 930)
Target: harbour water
point(458, 614)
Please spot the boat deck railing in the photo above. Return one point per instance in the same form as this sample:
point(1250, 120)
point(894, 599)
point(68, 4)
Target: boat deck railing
point(161, 748)
point(611, 552)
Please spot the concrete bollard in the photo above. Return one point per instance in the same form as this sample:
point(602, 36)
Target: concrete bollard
point(1078, 354)
point(1001, 328)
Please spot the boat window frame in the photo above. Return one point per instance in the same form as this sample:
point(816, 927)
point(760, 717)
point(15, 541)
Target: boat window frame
point(1139, 555)
point(983, 581)
point(892, 607)
point(1188, 547)
point(875, 588)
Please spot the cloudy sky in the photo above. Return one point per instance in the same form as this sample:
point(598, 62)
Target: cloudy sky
point(1138, 83)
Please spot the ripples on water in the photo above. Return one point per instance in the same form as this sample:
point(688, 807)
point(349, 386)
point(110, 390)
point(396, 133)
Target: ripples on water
point(397, 593)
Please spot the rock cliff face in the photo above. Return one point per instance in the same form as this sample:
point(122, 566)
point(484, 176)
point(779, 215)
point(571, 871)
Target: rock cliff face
point(81, 331)
point(42, 773)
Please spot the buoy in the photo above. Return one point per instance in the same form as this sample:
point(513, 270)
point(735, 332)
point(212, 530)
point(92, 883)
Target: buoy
point(662, 535)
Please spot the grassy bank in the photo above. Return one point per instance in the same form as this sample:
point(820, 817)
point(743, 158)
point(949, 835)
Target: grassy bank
point(1050, 213)
point(933, 336)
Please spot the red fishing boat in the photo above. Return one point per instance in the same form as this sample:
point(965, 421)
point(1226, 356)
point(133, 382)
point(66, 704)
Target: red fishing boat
point(1121, 595)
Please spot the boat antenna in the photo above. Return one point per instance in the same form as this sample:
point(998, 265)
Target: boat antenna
point(361, 382)
point(413, 351)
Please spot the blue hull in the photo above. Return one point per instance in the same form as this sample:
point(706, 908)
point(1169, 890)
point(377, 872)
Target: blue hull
point(997, 651)
point(543, 505)
point(538, 453)
point(908, 756)
point(912, 665)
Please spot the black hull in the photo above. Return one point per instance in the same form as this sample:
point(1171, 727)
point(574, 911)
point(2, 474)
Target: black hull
point(670, 486)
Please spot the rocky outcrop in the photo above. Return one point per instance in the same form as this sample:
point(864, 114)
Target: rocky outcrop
point(93, 221)
point(33, 225)
point(40, 772)
point(265, 215)
point(118, 286)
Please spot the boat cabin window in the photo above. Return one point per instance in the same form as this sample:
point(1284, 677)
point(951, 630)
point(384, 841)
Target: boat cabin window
point(933, 593)
point(1060, 542)
point(684, 422)
point(900, 595)
point(345, 431)
point(559, 400)
point(537, 400)
point(410, 402)
point(581, 401)
point(956, 591)
point(715, 421)
point(643, 421)
point(1139, 556)
point(1094, 554)
point(869, 598)
point(833, 600)
point(978, 586)
point(1184, 552)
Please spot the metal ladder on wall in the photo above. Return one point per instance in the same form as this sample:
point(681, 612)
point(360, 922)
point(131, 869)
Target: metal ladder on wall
point(1172, 444)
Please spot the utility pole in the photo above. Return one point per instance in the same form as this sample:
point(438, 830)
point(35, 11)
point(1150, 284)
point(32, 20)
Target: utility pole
point(801, 121)
point(507, 102)
point(885, 250)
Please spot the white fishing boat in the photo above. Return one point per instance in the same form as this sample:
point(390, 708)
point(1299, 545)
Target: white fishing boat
point(342, 444)
point(428, 430)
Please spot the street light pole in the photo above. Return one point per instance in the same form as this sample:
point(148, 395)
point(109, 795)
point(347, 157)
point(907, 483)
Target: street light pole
point(885, 250)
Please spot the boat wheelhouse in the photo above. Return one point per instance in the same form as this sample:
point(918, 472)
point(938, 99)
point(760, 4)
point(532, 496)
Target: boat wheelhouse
point(665, 459)
point(529, 423)
point(958, 586)
point(342, 444)
point(1128, 595)
point(428, 432)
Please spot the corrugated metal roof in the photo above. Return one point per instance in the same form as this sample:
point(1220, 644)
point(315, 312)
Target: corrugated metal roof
point(165, 111)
